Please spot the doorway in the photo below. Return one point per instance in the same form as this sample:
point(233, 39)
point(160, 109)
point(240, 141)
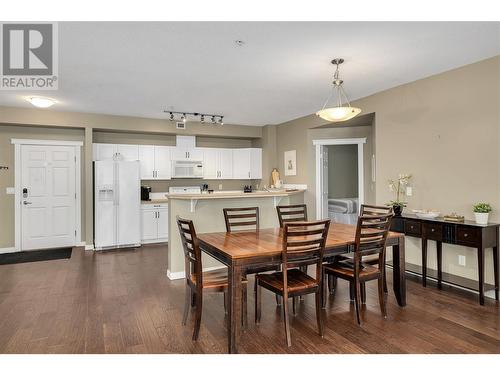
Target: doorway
point(47, 179)
point(339, 179)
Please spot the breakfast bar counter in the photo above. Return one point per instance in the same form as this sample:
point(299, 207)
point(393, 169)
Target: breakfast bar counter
point(206, 212)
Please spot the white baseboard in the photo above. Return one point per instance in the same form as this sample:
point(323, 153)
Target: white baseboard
point(89, 247)
point(6, 250)
point(182, 274)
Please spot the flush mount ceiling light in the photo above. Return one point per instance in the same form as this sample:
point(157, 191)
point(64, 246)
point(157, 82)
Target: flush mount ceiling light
point(41, 102)
point(342, 110)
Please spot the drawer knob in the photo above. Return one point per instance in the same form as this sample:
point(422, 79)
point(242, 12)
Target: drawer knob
point(411, 227)
point(466, 234)
point(432, 230)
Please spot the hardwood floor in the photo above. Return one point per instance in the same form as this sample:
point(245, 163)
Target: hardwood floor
point(122, 302)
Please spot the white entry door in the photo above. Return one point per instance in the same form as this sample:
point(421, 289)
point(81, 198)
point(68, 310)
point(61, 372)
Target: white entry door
point(48, 196)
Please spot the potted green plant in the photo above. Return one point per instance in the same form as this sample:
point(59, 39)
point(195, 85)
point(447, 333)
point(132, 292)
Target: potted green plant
point(399, 188)
point(482, 212)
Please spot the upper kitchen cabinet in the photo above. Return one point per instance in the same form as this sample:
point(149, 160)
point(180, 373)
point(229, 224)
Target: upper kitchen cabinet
point(217, 163)
point(247, 163)
point(107, 151)
point(185, 149)
point(182, 153)
point(155, 162)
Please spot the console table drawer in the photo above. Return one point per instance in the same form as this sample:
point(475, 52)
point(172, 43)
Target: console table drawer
point(413, 227)
point(468, 236)
point(433, 231)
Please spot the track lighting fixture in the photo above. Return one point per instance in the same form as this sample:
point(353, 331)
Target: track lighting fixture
point(215, 119)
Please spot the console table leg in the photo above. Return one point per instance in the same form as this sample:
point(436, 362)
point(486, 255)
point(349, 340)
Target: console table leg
point(480, 262)
point(495, 270)
point(424, 262)
point(439, 250)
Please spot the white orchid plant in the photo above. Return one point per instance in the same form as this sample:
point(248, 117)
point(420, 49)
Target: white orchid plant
point(398, 187)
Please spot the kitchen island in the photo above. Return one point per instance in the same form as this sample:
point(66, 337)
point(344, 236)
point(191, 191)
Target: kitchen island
point(206, 212)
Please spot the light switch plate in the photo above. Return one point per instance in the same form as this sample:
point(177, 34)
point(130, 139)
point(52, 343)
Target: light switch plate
point(10, 190)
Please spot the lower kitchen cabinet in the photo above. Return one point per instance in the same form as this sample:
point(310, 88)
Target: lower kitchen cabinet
point(154, 223)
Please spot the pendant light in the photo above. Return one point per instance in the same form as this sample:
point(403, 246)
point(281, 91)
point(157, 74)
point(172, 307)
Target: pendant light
point(342, 110)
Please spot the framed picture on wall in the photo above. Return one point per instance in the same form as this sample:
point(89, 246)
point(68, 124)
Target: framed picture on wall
point(291, 163)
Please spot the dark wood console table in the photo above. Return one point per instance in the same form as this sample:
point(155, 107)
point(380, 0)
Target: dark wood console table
point(467, 233)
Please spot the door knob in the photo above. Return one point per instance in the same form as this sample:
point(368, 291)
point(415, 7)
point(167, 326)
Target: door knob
point(26, 203)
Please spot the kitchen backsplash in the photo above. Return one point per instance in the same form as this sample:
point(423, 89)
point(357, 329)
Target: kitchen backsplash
point(161, 186)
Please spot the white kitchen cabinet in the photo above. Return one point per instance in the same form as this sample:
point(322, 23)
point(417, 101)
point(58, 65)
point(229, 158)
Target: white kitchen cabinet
point(108, 151)
point(241, 163)
point(217, 164)
point(183, 153)
point(154, 223)
point(256, 163)
point(155, 162)
point(247, 163)
point(163, 163)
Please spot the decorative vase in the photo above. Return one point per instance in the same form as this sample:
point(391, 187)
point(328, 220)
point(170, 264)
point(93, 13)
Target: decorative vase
point(397, 210)
point(481, 217)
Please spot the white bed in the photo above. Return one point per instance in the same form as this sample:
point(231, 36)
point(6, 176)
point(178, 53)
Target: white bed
point(343, 210)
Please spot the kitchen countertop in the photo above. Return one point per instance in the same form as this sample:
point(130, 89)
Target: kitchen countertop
point(235, 194)
point(155, 201)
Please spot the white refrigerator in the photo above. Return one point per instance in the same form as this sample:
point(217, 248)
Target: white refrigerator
point(117, 204)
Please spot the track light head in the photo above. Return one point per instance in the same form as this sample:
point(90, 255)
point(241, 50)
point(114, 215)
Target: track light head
point(220, 120)
point(171, 116)
point(202, 119)
point(183, 118)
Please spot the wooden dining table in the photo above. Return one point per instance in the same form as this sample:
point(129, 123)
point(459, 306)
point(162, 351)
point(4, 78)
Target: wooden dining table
point(243, 249)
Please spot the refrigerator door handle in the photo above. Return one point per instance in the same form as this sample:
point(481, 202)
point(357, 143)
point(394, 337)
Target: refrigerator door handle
point(117, 185)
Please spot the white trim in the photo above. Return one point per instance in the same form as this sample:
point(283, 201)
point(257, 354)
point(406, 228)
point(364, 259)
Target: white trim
point(7, 250)
point(320, 143)
point(17, 185)
point(89, 247)
point(47, 142)
point(339, 141)
point(182, 274)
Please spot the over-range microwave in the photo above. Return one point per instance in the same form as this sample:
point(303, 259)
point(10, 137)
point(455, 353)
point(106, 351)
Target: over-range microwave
point(187, 169)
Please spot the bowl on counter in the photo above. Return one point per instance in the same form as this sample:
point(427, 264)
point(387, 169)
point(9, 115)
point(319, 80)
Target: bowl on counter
point(426, 214)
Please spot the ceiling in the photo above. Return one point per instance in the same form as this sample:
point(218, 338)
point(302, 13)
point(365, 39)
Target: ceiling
point(281, 72)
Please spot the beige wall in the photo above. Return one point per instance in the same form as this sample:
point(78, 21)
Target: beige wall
point(299, 135)
point(7, 132)
point(445, 130)
point(343, 171)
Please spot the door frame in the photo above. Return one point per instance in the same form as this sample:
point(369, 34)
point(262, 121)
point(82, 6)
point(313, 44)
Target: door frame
point(319, 144)
point(18, 143)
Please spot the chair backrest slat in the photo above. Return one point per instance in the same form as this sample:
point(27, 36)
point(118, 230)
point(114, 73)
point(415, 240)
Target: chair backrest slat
point(192, 252)
point(371, 210)
point(291, 213)
point(237, 217)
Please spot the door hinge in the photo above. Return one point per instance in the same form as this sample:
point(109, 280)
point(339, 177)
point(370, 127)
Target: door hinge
point(75, 233)
point(75, 159)
point(75, 195)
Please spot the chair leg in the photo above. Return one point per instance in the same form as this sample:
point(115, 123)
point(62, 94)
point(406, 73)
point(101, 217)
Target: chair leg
point(199, 309)
point(278, 300)
point(294, 303)
point(319, 316)
point(363, 293)
point(303, 269)
point(381, 296)
point(193, 299)
point(332, 284)
point(351, 290)
point(257, 304)
point(187, 303)
point(385, 281)
point(357, 297)
point(286, 322)
point(244, 313)
point(225, 302)
point(323, 290)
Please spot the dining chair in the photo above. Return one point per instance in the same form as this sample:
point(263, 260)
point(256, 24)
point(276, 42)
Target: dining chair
point(198, 281)
point(365, 210)
point(290, 214)
point(303, 243)
point(371, 236)
point(246, 218)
